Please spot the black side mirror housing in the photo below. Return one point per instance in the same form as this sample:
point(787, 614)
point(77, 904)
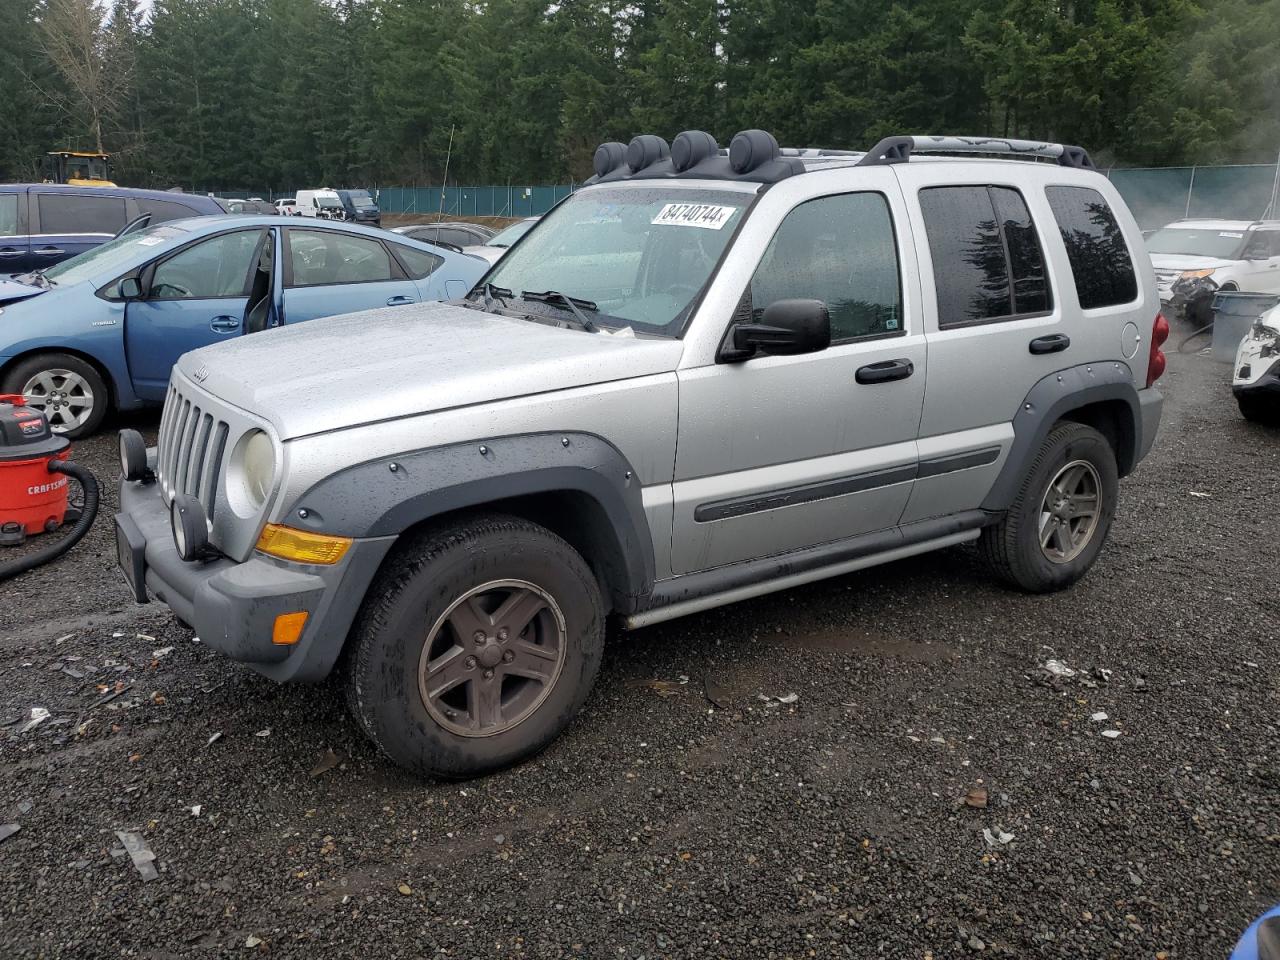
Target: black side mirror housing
point(130, 288)
point(788, 327)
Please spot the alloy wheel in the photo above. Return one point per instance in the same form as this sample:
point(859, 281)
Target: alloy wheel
point(492, 658)
point(64, 396)
point(1069, 511)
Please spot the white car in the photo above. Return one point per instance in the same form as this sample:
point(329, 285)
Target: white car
point(502, 241)
point(1194, 259)
point(1255, 379)
point(287, 206)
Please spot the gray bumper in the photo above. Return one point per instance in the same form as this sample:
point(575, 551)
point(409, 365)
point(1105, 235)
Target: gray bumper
point(232, 606)
point(1151, 403)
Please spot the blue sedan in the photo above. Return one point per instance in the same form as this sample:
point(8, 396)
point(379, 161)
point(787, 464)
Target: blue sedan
point(102, 330)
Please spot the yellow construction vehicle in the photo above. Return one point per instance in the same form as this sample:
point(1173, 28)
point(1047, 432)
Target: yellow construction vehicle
point(78, 169)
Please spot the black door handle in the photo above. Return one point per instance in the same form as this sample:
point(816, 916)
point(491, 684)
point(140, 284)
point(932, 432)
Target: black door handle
point(1053, 343)
point(884, 371)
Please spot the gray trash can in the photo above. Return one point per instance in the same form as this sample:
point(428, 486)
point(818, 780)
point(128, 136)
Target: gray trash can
point(1233, 314)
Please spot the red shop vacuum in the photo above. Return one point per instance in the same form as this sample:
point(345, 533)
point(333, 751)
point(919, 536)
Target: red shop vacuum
point(34, 480)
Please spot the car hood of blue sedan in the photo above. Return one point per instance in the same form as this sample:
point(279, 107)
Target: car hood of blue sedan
point(11, 291)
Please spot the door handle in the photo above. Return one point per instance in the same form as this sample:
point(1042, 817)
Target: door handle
point(224, 324)
point(884, 371)
point(400, 301)
point(1053, 343)
point(10, 252)
point(49, 251)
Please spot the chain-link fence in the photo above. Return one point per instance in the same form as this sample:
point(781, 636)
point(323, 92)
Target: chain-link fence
point(1159, 195)
point(1156, 195)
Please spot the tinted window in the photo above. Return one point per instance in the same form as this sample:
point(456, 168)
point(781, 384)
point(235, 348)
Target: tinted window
point(1026, 261)
point(1095, 246)
point(8, 214)
point(217, 267)
point(418, 263)
point(66, 213)
point(322, 256)
point(987, 260)
point(162, 210)
point(839, 250)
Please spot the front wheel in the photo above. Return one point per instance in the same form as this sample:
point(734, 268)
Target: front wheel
point(1059, 520)
point(476, 646)
point(69, 391)
point(1262, 410)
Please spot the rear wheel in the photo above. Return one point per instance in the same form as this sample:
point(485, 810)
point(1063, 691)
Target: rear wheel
point(476, 646)
point(1059, 520)
point(70, 392)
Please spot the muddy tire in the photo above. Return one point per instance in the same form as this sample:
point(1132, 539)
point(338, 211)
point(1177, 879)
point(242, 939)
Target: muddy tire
point(477, 644)
point(1259, 410)
point(1059, 520)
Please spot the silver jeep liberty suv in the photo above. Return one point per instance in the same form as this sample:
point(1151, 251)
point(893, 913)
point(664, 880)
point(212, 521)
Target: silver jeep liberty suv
point(706, 375)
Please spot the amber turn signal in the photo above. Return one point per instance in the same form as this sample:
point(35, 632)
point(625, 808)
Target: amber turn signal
point(300, 546)
point(288, 628)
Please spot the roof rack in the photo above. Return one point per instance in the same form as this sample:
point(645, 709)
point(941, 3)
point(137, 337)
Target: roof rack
point(754, 155)
point(899, 149)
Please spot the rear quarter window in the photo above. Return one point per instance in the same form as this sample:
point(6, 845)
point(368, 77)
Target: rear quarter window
point(162, 210)
point(1096, 248)
point(417, 263)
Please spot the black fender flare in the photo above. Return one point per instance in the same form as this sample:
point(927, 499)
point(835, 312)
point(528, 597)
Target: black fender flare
point(388, 495)
point(1052, 399)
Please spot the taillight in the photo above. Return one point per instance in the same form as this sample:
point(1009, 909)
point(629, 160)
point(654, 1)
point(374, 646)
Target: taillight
point(1156, 362)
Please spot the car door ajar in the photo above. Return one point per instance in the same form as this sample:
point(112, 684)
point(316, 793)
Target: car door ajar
point(328, 272)
point(191, 298)
point(778, 453)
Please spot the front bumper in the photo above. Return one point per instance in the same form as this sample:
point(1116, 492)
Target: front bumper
point(233, 605)
point(1248, 384)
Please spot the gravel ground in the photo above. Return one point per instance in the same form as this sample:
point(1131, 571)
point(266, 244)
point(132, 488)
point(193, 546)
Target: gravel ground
point(660, 825)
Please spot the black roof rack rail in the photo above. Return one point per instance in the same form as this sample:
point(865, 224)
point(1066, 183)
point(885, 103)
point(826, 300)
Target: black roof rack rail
point(899, 149)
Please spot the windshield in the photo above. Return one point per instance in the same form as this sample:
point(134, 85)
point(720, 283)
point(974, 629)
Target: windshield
point(360, 198)
point(110, 256)
point(1197, 242)
point(639, 255)
point(505, 238)
point(328, 202)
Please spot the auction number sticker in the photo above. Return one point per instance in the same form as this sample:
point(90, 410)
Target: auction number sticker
point(150, 241)
point(708, 216)
point(1230, 234)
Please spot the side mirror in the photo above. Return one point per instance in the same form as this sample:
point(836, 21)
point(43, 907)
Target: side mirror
point(130, 288)
point(1259, 252)
point(788, 327)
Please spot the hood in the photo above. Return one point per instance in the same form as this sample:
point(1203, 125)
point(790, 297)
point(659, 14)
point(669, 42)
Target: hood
point(394, 362)
point(1180, 261)
point(11, 291)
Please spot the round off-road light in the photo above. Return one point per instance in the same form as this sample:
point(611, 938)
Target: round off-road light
point(133, 456)
point(189, 526)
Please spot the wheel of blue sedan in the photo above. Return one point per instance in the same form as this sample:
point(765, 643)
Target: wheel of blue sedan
point(69, 391)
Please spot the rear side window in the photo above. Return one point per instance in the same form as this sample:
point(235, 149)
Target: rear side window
point(65, 213)
point(839, 250)
point(8, 214)
point(162, 210)
point(1095, 247)
point(987, 261)
point(417, 263)
point(322, 257)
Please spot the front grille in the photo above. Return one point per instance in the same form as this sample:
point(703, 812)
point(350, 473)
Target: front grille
point(192, 445)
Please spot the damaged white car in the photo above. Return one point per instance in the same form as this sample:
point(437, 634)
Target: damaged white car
point(1195, 259)
point(1256, 378)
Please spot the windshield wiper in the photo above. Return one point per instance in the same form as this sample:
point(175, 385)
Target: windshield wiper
point(35, 279)
point(575, 304)
point(492, 293)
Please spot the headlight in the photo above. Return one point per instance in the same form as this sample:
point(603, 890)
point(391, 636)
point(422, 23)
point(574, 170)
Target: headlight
point(251, 473)
point(1195, 274)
